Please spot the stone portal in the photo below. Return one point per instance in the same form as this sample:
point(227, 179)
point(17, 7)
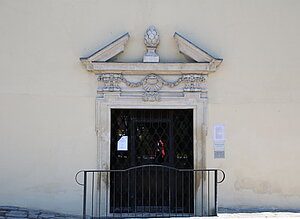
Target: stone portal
point(151, 85)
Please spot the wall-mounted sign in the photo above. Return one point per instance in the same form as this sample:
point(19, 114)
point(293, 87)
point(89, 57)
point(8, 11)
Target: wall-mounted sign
point(219, 141)
point(219, 133)
point(219, 154)
point(219, 146)
point(123, 144)
point(219, 150)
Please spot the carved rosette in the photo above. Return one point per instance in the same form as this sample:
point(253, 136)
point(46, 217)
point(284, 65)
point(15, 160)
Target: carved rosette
point(111, 81)
point(194, 82)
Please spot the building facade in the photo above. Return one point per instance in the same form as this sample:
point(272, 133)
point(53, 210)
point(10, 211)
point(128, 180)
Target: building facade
point(232, 63)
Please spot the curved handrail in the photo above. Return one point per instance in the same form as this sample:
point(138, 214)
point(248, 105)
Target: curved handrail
point(76, 177)
point(145, 166)
point(223, 178)
point(148, 165)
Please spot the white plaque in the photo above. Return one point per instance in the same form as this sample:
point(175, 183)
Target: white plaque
point(123, 144)
point(219, 146)
point(219, 154)
point(219, 133)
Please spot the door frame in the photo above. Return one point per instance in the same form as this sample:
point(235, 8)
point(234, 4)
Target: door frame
point(116, 101)
point(134, 119)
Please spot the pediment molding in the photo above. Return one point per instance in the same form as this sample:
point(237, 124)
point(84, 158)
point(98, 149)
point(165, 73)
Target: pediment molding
point(98, 62)
point(109, 51)
point(191, 50)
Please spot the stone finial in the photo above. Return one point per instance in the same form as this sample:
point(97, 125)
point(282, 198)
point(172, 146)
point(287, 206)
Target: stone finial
point(151, 37)
point(151, 40)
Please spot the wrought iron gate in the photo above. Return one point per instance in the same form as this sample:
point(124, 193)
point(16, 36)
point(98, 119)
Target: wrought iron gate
point(157, 136)
point(153, 174)
point(153, 197)
point(145, 129)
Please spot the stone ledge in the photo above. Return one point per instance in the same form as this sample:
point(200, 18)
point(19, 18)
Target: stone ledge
point(256, 210)
point(19, 212)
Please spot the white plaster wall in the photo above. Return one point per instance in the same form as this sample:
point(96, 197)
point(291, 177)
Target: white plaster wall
point(261, 153)
point(47, 97)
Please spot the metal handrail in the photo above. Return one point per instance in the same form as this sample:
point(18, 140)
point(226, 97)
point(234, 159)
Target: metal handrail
point(145, 166)
point(207, 174)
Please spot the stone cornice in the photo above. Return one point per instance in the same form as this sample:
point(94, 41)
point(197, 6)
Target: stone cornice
point(166, 68)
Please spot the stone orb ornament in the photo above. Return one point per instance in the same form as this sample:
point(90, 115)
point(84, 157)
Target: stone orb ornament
point(151, 37)
point(151, 40)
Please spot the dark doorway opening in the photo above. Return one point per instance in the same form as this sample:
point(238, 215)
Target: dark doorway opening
point(157, 138)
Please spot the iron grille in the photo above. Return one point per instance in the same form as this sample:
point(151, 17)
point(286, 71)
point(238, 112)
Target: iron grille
point(154, 175)
point(145, 128)
point(152, 197)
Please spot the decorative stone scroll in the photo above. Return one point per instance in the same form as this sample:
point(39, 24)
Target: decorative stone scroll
point(194, 82)
point(111, 81)
point(152, 84)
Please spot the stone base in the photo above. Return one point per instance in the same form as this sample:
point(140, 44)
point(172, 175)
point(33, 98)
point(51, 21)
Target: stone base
point(151, 58)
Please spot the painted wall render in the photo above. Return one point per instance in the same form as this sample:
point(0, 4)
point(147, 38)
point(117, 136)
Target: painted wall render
point(47, 97)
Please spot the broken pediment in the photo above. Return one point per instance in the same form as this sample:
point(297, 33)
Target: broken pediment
point(99, 62)
point(109, 51)
point(189, 49)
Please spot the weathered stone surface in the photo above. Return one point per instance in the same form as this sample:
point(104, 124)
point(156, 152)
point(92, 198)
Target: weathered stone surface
point(68, 216)
point(17, 214)
point(47, 215)
point(2, 212)
point(16, 217)
point(9, 208)
point(30, 211)
point(22, 209)
point(7, 212)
